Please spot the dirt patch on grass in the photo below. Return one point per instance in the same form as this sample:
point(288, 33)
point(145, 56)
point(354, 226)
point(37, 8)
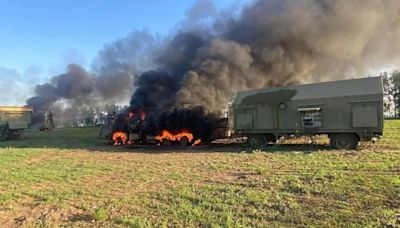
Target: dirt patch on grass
point(44, 215)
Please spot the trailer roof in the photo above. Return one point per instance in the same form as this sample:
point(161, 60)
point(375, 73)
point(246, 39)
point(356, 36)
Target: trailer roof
point(16, 109)
point(342, 88)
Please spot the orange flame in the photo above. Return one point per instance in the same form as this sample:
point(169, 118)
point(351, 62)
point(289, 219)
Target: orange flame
point(174, 137)
point(119, 138)
point(142, 115)
point(131, 115)
point(197, 142)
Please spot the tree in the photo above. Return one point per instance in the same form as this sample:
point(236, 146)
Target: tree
point(391, 86)
point(396, 93)
point(388, 101)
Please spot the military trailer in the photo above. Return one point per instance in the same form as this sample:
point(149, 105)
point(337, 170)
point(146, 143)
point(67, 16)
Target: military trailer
point(14, 120)
point(348, 111)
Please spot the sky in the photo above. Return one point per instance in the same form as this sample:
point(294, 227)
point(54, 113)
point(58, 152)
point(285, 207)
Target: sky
point(39, 38)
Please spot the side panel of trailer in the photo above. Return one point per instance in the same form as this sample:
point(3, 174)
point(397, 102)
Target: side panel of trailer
point(349, 106)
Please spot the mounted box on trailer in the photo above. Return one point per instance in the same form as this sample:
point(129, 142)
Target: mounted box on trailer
point(13, 120)
point(348, 111)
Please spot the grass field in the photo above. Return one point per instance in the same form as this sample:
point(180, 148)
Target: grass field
point(69, 177)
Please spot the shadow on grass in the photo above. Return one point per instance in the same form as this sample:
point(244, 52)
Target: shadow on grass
point(88, 139)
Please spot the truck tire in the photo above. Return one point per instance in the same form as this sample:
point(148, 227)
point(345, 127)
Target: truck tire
point(14, 134)
point(257, 140)
point(343, 141)
point(270, 138)
point(165, 142)
point(184, 142)
point(3, 133)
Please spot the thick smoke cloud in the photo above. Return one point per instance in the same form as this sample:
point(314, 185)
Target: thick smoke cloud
point(76, 83)
point(133, 53)
point(110, 81)
point(72, 93)
point(211, 55)
point(275, 43)
point(157, 88)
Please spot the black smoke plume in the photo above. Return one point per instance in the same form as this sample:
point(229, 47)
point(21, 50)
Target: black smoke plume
point(212, 55)
point(270, 43)
point(110, 80)
point(71, 94)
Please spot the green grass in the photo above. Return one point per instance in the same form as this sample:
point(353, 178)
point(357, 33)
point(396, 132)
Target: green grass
point(71, 178)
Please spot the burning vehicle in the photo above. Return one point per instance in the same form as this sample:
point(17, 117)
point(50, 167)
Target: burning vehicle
point(348, 111)
point(184, 127)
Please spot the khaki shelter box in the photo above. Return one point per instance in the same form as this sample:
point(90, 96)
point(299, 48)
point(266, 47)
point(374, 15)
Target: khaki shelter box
point(348, 111)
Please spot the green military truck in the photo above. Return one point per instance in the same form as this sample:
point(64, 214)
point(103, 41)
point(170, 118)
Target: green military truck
point(14, 120)
point(348, 111)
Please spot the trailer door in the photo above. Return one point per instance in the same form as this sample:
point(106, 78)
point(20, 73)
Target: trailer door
point(264, 118)
point(244, 119)
point(365, 114)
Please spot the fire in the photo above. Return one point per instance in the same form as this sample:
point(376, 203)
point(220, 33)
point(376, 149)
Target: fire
point(174, 137)
point(142, 115)
point(119, 138)
point(197, 142)
point(131, 115)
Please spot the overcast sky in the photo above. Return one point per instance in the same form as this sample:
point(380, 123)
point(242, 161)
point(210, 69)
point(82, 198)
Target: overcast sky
point(39, 38)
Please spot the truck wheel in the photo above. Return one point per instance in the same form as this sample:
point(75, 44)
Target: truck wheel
point(184, 141)
point(4, 133)
point(343, 141)
point(13, 134)
point(256, 140)
point(271, 139)
point(165, 142)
